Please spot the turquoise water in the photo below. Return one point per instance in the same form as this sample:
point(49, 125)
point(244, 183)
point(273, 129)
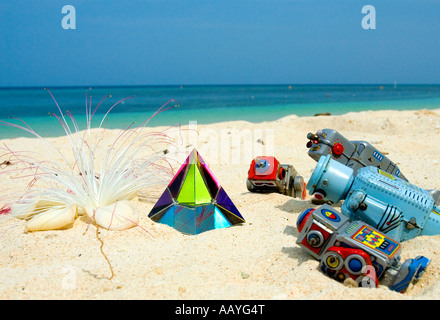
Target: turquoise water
point(204, 104)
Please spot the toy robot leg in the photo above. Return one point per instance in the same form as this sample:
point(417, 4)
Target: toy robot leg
point(410, 271)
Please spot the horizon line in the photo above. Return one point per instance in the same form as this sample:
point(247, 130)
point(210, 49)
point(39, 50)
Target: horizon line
point(216, 85)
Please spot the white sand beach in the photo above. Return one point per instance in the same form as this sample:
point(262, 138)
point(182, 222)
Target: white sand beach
point(256, 260)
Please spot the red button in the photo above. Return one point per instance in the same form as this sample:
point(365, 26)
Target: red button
point(318, 195)
point(338, 149)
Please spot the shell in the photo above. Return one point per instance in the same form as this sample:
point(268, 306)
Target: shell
point(52, 219)
point(119, 215)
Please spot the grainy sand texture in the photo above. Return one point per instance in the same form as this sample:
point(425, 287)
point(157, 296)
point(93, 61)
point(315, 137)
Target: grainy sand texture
point(256, 260)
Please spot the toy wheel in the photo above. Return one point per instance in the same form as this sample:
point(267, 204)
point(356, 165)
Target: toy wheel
point(315, 238)
point(290, 189)
point(299, 187)
point(333, 260)
point(250, 186)
point(355, 264)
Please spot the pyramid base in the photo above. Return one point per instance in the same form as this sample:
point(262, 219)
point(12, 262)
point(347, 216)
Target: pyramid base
point(195, 220)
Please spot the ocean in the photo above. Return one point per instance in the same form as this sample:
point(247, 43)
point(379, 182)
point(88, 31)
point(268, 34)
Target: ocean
point(204, 104)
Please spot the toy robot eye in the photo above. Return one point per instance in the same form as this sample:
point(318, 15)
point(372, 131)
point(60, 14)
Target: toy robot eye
point(315, 239)
point(333, 260)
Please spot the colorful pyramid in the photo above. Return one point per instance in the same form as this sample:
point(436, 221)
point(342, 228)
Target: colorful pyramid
point(194, 201)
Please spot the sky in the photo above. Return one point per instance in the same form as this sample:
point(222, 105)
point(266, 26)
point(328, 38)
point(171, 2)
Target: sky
point(215, 42)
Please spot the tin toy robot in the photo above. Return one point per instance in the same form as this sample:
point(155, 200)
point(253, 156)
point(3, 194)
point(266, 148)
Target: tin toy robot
point(392, 205)
point(353, 249)
point(266, 174)
point(354, 154)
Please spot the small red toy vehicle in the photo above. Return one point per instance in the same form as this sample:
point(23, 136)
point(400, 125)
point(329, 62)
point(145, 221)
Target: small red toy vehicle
point(266, 174)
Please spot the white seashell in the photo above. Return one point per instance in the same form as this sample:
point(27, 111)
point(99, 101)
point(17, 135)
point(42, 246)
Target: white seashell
point(45, 203)
point(53, 218)
point(120, 215)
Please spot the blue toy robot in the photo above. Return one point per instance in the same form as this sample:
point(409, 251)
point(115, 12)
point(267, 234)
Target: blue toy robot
point(389, 204)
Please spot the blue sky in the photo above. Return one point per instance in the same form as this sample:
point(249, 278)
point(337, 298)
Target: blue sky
point(172, 42)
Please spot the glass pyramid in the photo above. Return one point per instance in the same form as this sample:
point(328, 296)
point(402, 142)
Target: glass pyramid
point(194, 201)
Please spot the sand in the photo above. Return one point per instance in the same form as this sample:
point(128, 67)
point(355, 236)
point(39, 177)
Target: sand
point(256, 260)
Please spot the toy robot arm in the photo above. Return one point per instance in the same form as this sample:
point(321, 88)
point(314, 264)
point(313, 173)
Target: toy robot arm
point(384, 217)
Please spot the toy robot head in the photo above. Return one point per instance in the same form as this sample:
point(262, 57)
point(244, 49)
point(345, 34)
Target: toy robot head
point(317, 228)
point(329, 141)
point(330, 180)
